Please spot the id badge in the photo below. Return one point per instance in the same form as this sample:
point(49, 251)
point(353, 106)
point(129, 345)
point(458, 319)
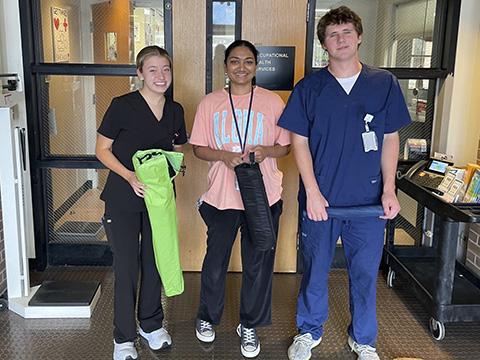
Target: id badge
point(370, 142)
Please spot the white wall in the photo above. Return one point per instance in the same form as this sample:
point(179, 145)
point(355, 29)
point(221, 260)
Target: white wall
point(10, 45)
point(12, 63)
point(2, 40)
point(460, 111)
point(3, 279)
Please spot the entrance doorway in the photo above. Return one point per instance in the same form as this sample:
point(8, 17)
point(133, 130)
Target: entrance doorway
point(82, 55)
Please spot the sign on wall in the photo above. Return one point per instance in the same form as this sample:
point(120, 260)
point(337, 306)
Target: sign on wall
point(276, 67)
point(60, 36)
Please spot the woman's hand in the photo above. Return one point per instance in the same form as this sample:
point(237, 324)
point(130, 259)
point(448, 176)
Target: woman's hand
point(231, 159)
point(261, 152)
point(136, 185)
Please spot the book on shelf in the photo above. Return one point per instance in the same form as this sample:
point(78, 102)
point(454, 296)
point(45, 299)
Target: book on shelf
point(469, 172)
point(472, 194)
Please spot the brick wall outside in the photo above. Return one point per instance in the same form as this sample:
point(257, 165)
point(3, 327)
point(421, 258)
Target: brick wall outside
point(3, 278)
point(473, 247)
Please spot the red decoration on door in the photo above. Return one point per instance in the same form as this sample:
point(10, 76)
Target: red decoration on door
point(56, 23)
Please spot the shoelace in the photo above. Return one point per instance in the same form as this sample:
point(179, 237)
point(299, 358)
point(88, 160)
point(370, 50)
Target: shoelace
point(205, 326)
point(304, 338)
point(366, 350)
point(249, 336)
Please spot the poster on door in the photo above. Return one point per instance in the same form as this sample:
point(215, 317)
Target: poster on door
point(61, 41)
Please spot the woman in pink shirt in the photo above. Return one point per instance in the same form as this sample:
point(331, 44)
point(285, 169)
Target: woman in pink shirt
point(229, 124)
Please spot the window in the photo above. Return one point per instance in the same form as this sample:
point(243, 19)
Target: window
point(223, 27)
point(110, 32)
point(390, 30)
point(416, 41)
point(408, 38)
point(79, 55)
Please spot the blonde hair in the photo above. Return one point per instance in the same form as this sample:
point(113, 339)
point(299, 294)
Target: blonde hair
point(148, 51)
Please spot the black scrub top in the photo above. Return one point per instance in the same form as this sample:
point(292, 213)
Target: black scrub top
point(132, 126)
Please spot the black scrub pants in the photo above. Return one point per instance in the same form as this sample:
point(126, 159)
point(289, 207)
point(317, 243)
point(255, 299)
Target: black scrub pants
point(257, 267)
point(124, 230)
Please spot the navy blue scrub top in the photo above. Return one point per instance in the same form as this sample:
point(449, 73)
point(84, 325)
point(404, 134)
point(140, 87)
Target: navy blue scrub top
point(133, 126)
point(320, 109)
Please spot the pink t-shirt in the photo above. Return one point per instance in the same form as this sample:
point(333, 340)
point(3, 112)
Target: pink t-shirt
point(214, 127)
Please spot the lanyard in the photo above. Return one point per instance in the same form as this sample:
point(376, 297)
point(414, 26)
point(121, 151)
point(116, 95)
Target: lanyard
point(242, 146)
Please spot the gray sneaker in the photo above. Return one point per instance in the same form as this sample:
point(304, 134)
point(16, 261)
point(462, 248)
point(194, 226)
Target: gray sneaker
point(158, 339)
point(249, 342)
point(204, 330)
point(124, 351)
point(301, 348)
point(364, 352)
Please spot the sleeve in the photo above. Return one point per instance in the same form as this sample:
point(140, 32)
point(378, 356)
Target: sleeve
point(112, 120)
point(397, 115)
point(294, 117)
point(282, 136)
point(199, 135)
point(180, 128)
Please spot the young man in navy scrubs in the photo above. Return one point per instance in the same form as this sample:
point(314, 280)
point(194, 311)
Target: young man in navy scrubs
point(344, 120)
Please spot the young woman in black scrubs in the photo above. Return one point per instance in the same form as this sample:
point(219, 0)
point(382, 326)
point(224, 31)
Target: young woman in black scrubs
point(140, 120)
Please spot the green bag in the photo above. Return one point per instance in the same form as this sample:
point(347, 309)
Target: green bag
point(151, 168)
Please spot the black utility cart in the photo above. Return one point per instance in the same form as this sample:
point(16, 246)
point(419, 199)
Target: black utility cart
point(449, 290)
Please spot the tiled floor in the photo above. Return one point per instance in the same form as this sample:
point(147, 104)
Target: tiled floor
point(402, 325)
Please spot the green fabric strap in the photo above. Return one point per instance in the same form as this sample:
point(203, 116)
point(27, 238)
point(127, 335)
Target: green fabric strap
point(151, 168)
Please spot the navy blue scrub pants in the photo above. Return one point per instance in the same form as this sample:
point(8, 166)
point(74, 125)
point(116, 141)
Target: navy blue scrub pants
point(363, 244)
point(257, 267)
point(124, 229)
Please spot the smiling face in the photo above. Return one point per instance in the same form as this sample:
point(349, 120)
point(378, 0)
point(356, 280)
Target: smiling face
point(341, 42)
point(156, 73)
point(240, 66)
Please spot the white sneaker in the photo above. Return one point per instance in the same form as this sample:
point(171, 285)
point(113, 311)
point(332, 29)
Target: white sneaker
point(204, 331)
point(124, 351)
point(364, 352)
point(302, 345)
point(158, 339)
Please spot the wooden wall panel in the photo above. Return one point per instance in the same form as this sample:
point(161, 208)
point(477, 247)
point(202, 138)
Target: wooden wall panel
point(189, 88)
point(279, 22)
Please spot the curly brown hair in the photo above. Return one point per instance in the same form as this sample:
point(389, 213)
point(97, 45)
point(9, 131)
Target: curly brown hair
point(340, 15)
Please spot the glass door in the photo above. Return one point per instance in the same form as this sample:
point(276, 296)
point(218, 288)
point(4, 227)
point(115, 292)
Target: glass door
point(81, 54)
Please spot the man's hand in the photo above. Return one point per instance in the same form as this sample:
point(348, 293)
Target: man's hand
point(391, 206)
point(316, 206)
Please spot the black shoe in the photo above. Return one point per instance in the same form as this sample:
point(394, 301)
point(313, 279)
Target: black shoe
point(204, 330)
point(249, 342)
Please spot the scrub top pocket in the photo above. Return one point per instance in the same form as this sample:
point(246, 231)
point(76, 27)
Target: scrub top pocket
point(373, 189)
